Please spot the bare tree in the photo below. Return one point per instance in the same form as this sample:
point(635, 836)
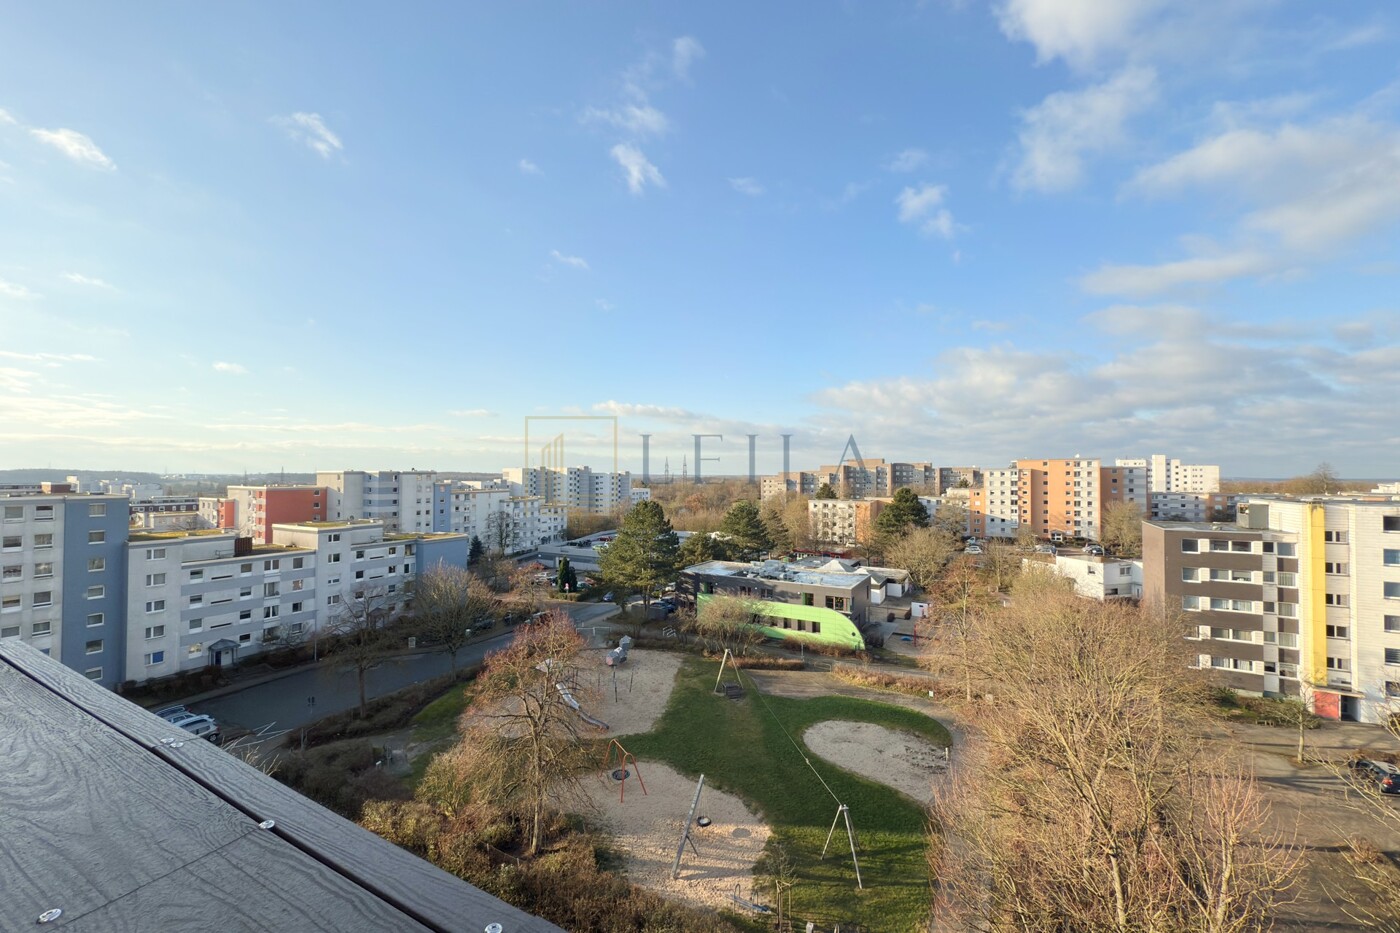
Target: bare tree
point(1121, 531)
point(359, 626)
point(528, 589)
point(960, 603)
point(1001, 564)
point(524, 743)
point(448, 601)
point(924, 552)
point(500, 537)
point(1085, 801)
point(727, 622)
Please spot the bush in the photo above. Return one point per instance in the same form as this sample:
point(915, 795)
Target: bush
point(341, 777)
point(881, 680)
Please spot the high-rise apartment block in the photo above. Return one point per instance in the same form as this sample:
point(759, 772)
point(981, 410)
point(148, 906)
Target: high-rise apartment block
point(852, 479)
point(402, 500)
point(256, 509)
point(1297, 597)
point(581, 488)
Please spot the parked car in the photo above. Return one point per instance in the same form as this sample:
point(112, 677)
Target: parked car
point(1385, 777)
point(203, 726)
point(1093, 549)
point(1045, 549)
point(608, 596)
point(171, 712)
point(973, 549)
point(484, 624)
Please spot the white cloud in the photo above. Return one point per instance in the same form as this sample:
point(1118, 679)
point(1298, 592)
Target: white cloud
point(639, 119)
point(6, 119)
point(748, 186)
point(577, 262)
point(79, 279)
point(16, 291)
point(75, 146)
point(907, 161)
point(233, 369)
point(1302, 193)
point(529, 168)
point(471, 413)
point(603, 304)
point(52, 360)
point(685, 52)
point(638, 170)
point(658, 412)
point(1079, 31)
point(1152, 279)
point(1061, 130)
point(923, 206)
point(309, 128)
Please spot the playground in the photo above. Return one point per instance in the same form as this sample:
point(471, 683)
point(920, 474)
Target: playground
point(902, 760)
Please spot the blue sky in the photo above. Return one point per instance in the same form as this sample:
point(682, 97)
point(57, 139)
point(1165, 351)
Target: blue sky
point(325, 236)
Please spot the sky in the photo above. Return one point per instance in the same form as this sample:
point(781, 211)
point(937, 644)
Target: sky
point(265, 236)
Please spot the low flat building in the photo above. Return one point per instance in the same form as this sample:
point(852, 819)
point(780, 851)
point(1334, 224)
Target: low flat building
point(1098, 578)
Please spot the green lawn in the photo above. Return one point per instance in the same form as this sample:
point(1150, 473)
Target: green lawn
point(437, 723)
point(742, 749)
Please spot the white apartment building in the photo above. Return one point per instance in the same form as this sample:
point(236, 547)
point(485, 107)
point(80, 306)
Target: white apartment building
point(1167, 474)
point(1096, 578)
point(640, 494)
point(402, 500)
point(353, 559)
point(1000, 503)
point(578, 487)
point(196, 599)
point(1348, 599)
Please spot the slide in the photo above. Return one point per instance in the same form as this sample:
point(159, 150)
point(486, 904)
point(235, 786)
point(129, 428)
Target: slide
point(572, 704)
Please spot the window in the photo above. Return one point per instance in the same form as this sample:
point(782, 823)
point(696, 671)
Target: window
point(93, 647)
point(11, 543)
point(270, 612)
point(1270, 577)
point(1334, 537)
point(155, 579)
point(196, 649)
point(155, 605)
point(334, 537)
point(43, 570)
point(816, 627)
point(1241, 547)
point(1190, 545)
point(42, 598)
point(155, 657)
point(296, 607)
point(1392, 655)
point(1288, 579)
point(43, 541)
point(1191, 602)
point(97, 537)
point(94, 619)
point(1391, 557)
point(1218, 545)
point(807, 599)
point(1390, 522)
point(9, 631)
point(196, 625)
point(333, 599)
point(245, 638)
point(1339, 664)
point(41, 628)
point(43, 513)
point(269, 590)
point(96, 592)
point(1392, 590)
point(333, 559)
point(244, 615)
point(155, 631)
point(12, 572)
point(14, 513)
point(93, 673)
point(359, 574)
point(297, 563)
point(271, 565)
point(1190, 574)
point(1338, 631)
point(9, 604)
point(294, 629)
point(1392, 688)
point(1288, 639)
point(245, 592)
point(1392, 623)
point(97, 510)
point(1341, 569)
point(359, 555)
point(96, 564)
point(1287, 549)
point(196, 575)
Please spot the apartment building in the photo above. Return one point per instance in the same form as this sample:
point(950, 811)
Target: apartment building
point(217, 512)
point(402, 500)
point(852, 480)
point(957, 477)
point(994, 504)
point(354, 559)
point(500, 520)
point(1097, 578)
point(62, 578)
point(201, 598)
point(256, 509)
point(1348, 598)
point(843, 522)
point(1190, 506)
point(165, 512)
point(577, 487)
point(1239, 590)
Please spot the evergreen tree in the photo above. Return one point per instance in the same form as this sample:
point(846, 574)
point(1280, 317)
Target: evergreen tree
point(824, 491)
point(697, 549)
point(904, 513)
point(565, 580)
point(644, 556)
point(477, 550)
point(744, 527)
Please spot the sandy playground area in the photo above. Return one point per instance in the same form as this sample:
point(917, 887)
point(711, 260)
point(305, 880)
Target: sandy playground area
point(901, 760)
point(643, 687)
point(647, 827)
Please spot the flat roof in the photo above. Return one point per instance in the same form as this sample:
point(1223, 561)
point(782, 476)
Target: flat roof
point(118, 821)
point(779, 571)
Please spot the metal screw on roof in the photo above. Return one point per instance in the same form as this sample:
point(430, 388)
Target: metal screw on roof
point(267, 824)
point(177, 744)
point(494, 928)
point(49, 916)
point(167, 740)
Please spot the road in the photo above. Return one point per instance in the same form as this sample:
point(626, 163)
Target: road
point(284, 702)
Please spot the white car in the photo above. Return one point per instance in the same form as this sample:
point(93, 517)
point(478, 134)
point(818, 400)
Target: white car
point(973, 549)
point(203, 726)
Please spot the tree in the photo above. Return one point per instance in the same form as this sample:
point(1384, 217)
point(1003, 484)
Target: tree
point(774, 518)
point(528, 586)
point(697, 548)
point(1121, 531)
point(951, 518)
point(1322, 481)
point(359, 627)
point(744, 528)
point(498, 533)
point(644, 556)
point(1025, 537)
point(1088, 800)
point(924, 552)
point(727, 622)
point(565, 579)
point(448, 601)
point(960, 603)
point(903, 513)
point(825, 491)
point(525, 742)
point(1001, 564)
point(798, 519)
point(476, 551)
